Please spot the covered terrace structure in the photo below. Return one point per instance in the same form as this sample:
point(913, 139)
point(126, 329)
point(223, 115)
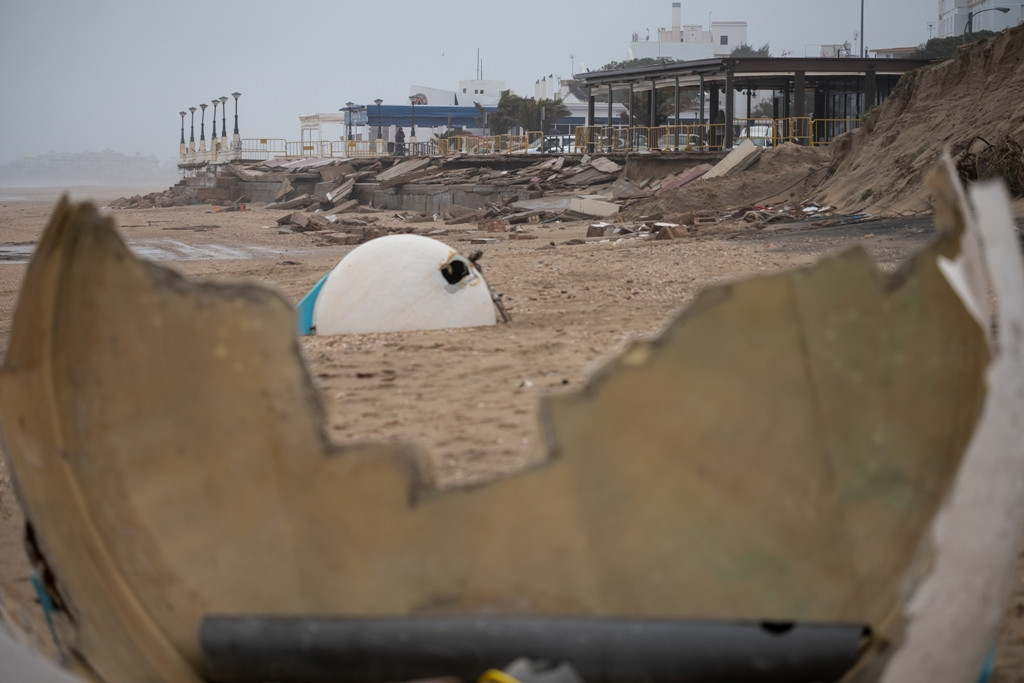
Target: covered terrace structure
point(813, 99)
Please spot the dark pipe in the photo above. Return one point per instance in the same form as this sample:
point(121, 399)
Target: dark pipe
point(602, 650)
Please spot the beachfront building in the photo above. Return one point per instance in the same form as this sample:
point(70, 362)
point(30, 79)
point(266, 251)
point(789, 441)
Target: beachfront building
point(983, 15)
point(691, 41)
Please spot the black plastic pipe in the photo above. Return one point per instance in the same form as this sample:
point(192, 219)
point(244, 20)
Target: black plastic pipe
point(602, 650)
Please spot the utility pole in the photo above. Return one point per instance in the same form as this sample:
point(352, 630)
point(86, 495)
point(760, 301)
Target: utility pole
point(863, 53)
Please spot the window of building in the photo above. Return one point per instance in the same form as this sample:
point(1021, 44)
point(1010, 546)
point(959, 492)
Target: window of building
point(463, 91)
point(725, 40)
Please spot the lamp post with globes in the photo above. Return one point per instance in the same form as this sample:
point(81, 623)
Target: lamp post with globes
point(213, 136)
point(192, 134)
point(223, 121)
point(236, 95)
point(348, 119)
point(181, 148)
point(351, 109)
point(380, 134)
point(202, 128)
point(214, 143)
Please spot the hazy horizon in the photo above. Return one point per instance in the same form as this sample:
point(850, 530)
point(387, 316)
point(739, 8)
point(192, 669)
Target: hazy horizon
point(112, 74)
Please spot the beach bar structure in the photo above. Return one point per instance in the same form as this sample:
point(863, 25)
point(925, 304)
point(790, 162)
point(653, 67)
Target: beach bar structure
point(843, 89)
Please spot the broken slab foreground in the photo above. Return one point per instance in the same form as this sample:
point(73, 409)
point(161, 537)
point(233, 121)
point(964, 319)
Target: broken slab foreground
point(789, 443)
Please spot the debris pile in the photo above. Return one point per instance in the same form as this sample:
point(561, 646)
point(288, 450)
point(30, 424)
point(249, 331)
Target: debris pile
point(968, 105)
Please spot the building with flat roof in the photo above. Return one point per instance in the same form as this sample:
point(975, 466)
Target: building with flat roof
point(690, 41)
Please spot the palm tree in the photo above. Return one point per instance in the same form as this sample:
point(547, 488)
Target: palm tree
point(513, 110)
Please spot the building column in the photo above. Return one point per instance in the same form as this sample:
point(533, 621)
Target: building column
point(675, 115)
point(870, 90)
point(632, 105)
point(591, 102)
point(730, 106)
point(653, 114)
point(611, 99)
point(714, 134)
point(799, 111)
point(700, 114)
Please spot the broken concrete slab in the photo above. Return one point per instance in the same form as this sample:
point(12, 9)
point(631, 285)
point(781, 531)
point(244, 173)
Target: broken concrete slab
point(301, 201)
point(403, 168)
point(593, 207)
point(840, 481)
point(683, 178)
point(335, 172)
point(342, 207)
point(297, 221)
point(550, 203)
point(735, 161)
point(341, 192)
point(605, 165)
point(283, 191)
point(493, 225)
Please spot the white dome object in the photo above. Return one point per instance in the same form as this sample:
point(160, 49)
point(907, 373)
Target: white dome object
point(402, 282)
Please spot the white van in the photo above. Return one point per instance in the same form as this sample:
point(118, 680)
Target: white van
point(762, 135)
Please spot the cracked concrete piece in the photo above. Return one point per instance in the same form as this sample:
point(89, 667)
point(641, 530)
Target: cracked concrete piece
point(789, 440)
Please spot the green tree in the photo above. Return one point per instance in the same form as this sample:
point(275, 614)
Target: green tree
point(630, 63)
point(943, 48)
point(513, 110)
point(744, 50)
point(764, 110)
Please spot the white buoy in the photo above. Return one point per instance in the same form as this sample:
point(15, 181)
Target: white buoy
point(402, 282)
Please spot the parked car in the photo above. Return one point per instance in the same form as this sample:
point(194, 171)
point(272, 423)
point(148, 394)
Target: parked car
point(553, 144)
point(669, 141)
point(760, 135)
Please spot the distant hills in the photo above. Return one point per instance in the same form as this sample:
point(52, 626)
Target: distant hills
point(88, 168)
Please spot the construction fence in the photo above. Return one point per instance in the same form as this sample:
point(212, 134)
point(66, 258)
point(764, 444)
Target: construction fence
point(585, 140)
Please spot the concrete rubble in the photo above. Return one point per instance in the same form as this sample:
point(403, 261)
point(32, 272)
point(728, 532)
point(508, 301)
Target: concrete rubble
point(331, 199)
point(494, 193)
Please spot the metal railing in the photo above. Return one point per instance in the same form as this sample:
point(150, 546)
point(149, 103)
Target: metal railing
point(763, 132)
point(263, 149)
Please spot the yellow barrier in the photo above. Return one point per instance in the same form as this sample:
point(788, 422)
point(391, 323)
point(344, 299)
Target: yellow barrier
point(262, 149)
point(762, 132)
point(584, 140)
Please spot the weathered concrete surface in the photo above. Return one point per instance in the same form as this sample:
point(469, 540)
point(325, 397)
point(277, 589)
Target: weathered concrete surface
point(434, 198)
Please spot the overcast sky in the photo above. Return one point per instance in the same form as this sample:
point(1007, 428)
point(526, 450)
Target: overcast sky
point(89, 75)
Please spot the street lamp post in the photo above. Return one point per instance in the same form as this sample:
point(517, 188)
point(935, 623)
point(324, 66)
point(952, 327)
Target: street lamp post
point(351, 109)
point(181, 147)
point(969, 26)
point(412, 134)
point(223, 120)
point(202, 127)
point(380, 134)
point(348, 120)
point(236, 95)
point(863, 52)
point(236, 142)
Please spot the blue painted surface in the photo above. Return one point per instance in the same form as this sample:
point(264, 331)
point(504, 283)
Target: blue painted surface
point(305, 307)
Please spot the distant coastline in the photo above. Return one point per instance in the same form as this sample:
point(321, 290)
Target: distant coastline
point(51, 192)
point(84, 175)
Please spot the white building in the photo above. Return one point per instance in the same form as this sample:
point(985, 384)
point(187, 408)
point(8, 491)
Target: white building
point(954, 14)
point(480, 91)
point(690, 42)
